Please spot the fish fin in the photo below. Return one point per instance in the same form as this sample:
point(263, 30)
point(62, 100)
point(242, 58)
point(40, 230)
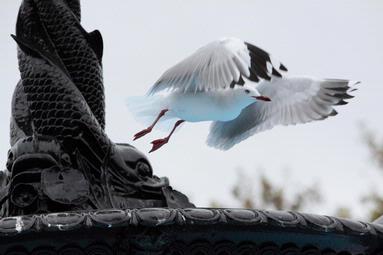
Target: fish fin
point(95, 40)
point(24, 47)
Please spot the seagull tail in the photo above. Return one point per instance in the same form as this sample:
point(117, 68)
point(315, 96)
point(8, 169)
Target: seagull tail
point(145, 109)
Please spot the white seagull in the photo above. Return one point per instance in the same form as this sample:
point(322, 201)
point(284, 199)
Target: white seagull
point(241, 89)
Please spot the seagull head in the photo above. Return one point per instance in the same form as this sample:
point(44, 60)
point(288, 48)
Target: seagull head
point(254, 93)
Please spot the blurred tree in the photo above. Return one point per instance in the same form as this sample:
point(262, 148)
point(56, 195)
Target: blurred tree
point(343, 212)
point(375, 147)
point(263, 193)
point(376, 201)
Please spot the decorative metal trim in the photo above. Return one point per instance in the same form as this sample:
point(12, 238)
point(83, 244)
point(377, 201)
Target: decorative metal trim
point(157, 217)
point(190, 231)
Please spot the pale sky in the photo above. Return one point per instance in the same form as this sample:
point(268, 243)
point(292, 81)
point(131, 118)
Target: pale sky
point(325, 39)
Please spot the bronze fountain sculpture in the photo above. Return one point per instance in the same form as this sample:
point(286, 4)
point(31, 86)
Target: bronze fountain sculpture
point(58, 121)
point(68, 189)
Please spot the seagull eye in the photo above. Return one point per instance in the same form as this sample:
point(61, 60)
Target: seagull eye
point(247, 91)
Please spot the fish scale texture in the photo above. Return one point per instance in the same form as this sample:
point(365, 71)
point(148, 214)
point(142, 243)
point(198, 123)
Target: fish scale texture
point(73, 48)
point(56, 106)
point(75, 6)
point(60, 101)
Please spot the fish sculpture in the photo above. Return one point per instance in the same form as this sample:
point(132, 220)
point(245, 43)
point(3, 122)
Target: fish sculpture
point(61, 158)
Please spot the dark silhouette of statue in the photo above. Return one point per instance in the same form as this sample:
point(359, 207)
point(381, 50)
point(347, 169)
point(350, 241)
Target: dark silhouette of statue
point(61, 158)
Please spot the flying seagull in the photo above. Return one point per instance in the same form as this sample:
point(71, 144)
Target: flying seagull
point(241, 89)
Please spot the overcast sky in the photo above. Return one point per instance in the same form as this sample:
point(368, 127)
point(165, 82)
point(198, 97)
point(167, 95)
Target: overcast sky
point(326, 39)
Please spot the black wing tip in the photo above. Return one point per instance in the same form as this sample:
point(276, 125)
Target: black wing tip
point(343, 96)
point(258, 51)
point(240, 82)
point(339, 89)
point(248, 44)
point(259, 64)
point(357, 82)
point(341, 102)
point(282, 67)
point(333, 113)
point(342, 91)
point(276, 73)
point(340, 98)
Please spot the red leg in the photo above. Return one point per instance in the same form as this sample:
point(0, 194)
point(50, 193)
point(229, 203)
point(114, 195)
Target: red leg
point(149, 129)
point(160, 142)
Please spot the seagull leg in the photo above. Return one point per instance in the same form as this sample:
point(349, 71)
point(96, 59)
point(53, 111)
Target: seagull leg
point(149, 129)
point(160, 142)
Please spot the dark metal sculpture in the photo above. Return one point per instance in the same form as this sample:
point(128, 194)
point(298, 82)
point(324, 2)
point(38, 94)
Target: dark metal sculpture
point(68, 189)
point(188, 232)
point(61, 159)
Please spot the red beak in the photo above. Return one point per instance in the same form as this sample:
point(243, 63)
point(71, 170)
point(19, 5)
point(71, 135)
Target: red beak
point(263, 98)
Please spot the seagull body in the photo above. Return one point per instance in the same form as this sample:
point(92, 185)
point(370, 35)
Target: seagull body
point(219, 105)
point(241, 89)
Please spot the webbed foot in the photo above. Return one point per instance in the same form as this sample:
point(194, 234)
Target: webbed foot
point(159, 143)
point(142, 133)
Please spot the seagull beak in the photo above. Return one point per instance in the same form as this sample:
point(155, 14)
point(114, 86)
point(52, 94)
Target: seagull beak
point(262, 98)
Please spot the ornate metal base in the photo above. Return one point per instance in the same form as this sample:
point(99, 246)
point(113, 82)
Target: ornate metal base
point(187, 231)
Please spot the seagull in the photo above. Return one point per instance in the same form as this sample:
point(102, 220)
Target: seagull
point(241, 89)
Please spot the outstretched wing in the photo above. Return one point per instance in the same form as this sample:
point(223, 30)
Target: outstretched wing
point(218, 65)
point(294, 100)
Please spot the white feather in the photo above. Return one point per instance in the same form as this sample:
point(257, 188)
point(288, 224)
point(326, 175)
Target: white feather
point(212, 67)
point(294, 100)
